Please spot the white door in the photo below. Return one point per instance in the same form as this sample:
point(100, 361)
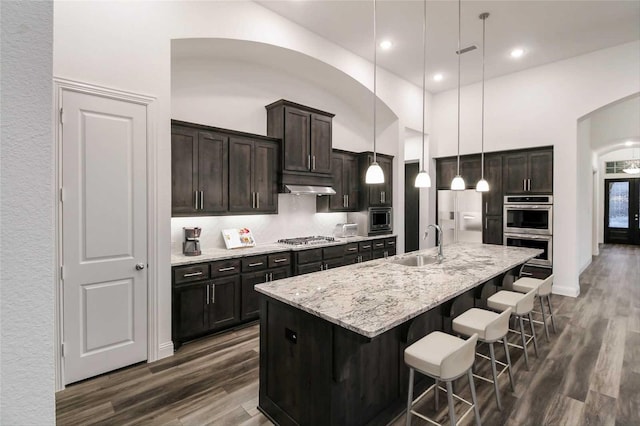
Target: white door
point(104, 234)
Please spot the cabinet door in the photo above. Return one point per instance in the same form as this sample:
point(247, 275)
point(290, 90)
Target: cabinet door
point(351, 183)
point(446, 170)
point(250, 305)
point(213, 160)
point(184, 170)
point(224, 306)
point(297, 130)
point(280, 273)
point(493, 174)
point(320, 143)
point(337, 202)
point(380, 194)
point(514, 173)
point(540, 166)
point(492, 230)
point(471, 170)
point(190, 310)
point(309, 267)
point(265, 176)
point(241, 197)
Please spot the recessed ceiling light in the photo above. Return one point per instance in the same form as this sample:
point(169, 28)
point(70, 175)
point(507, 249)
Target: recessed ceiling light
point(517, 52)
point(438, 77)
point(386, 44)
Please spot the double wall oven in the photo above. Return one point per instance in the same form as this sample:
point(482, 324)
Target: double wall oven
point(528, 222)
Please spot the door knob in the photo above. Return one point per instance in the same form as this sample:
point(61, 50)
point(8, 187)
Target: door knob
point(139, 266)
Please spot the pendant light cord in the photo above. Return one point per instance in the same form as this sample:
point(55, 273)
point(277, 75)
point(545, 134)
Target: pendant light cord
point(375, 57)
point(424, 72)
point(484, 17)
point(459, 54)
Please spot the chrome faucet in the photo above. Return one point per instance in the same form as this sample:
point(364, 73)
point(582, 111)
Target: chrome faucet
point(439, 242)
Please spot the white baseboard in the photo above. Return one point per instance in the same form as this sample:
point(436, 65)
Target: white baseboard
point(565, 291)
point(165, 350)
point(585, 266)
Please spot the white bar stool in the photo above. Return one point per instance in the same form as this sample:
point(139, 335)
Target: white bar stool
point(490, 328)
point(521, 305)
point(442, 357)
point(543, 287)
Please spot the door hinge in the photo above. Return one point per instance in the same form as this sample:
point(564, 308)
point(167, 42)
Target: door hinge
point(62, 273)
point(62, 350)
point(61, 196)
point(61, 116)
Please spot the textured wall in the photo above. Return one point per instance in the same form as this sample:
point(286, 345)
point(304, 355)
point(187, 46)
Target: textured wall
point(27, 215)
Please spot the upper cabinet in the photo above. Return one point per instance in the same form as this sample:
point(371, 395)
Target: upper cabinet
point(344, 167)
point(447, 169)
point(306, 142)
point(218, 171)
point(528, 172)
point(376, 195)
point(199, 164)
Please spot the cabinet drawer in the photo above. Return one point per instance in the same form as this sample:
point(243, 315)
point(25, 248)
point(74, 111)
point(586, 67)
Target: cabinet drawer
point(378, 244)
point(225, 267)
point(365, 246)
point(186, 274)
point(351, 259)
point(279, 259)
point(308, 256)
point(366, 256)
point(351, 248)
point(309, 267)
point(254, 263)
point(332, 252)
point(390, 242)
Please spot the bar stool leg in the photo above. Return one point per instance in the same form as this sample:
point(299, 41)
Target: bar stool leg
point(544, 318)
point(506, 351)
point(476, 410)
point(524, 342)
point(495, 375)
point(533, 332)
point(452, 413)
point(410, 396)
point(553, 321)
point(437, 398)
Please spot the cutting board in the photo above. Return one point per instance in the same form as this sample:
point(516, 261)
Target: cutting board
point(238, 237)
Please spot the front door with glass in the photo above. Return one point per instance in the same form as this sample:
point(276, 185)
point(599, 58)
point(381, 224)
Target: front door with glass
point(622, 211)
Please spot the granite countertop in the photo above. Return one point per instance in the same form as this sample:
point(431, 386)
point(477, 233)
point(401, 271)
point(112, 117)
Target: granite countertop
point(373, 297)
point(211, 254)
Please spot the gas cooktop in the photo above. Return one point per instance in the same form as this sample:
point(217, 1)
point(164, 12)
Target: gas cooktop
point(305, 241)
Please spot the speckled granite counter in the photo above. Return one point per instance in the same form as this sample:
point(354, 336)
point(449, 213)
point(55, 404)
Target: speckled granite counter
point(374, 297)
point(211, 254)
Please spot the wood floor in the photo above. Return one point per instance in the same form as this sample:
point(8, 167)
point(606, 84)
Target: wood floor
point(589, 374)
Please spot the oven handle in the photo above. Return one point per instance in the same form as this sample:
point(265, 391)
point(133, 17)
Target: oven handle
point(529, 236)
point(528, 206)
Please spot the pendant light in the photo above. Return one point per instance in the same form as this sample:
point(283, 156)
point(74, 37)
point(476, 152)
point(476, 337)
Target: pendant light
point(374, 172)
point(457, 184)
point(422, 179)
point(482, 185)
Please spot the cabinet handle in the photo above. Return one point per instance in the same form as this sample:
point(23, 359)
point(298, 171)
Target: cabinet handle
point(207, 294)
point(271, 276)
point(251, 265)
point(524, 184)
point(309, 162)
point(486, 208)
point(352, 249)
point(192, 274)
point(392, 243)
point(280, 260)
point(201, 200)
point(230, 268)
point(486, 223)
point(366, 247)
point(529, 185)
point(386, 254)
point(266, 278)
point(257, 200)
point(359, 259)
point(347, 201)
point(213, 293)
point(196, 200)
point(344, 201)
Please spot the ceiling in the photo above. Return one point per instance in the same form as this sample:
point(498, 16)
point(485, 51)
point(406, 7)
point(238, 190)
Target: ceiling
point(548, 31)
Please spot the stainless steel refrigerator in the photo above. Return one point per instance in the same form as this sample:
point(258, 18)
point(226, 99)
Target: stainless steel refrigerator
point(460, 215)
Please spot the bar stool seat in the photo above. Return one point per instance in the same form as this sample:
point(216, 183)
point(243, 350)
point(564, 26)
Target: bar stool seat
point(442, 357)
point(490, 327)
point(543, 291)
point(508, 299)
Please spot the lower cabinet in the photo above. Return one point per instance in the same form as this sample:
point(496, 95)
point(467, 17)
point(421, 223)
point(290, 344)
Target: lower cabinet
point(492, 232)
point(250, 303)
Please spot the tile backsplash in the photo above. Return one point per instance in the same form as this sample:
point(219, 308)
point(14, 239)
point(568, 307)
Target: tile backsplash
point(296, 217)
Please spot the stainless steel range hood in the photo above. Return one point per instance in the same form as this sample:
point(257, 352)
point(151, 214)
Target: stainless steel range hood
point(309, 190)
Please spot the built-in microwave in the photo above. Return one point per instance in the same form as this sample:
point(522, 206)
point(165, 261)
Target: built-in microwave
point(380, 220)
point(528, 214)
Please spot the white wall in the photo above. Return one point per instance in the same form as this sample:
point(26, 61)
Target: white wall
point(584, 194)
point(537, 107)
point(127, 46)
point(615, 123)
point(27, 219)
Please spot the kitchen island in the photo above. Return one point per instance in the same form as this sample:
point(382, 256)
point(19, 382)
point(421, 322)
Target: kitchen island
point(332, 342)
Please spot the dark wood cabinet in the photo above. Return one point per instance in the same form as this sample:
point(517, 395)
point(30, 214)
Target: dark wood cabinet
point(225, 302)
point(344, 169)
point(376, 195)
point(306, 135)
point(199, 162)
point(470, 170)
point(447, 169)
point(250, 304)
point(527, 172)
point(493, 200)
point(492, 230)
point(253, 173)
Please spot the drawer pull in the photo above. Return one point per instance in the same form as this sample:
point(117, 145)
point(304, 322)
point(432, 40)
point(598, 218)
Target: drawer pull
point(366, 247)
point(192, 274)
point(392, 243)
point(352, 249)
point(256, 264)
point(280, 260)
point(230, 268)
point(380, 245)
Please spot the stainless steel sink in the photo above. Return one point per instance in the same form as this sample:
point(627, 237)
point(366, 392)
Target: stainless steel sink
point(415, 260)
